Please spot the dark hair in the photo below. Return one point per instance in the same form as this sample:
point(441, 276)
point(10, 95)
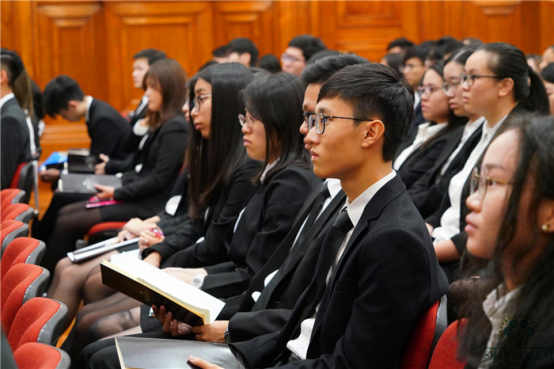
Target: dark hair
point(401, 42)
point(471, 41)
point(454, 121)
point(322, 54)
point(270, 63)
point(394, 60)
point(59, 92)
point(212, 162)
point(243, 45)
point(23, 93)
point(276, 100)
point(320, 71)
point(12, 63)
point(375, 91)
point(221, 51)
point(507, 61)
point(168, 77)
point(420, 52)
point(209, 63)
point(460, 56)
point(535, 163)
point(308, 44)
point(37, 100)
point(152, 55)
point(547, 73)
point(448, 44)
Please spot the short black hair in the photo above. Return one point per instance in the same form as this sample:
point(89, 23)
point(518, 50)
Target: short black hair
point(420, 52)
point(221, 51)
point(322, 54)
point(547, 73)
point(308, 44)
point(59, 92)
point(375, 91)
point(394, 60)
point(320, 71)
point(12, 63)
point(402, 43)
point(270, 63)
point(243, 45)
point(152, 55)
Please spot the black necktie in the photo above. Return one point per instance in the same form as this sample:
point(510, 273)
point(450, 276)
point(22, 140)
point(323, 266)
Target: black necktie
point(318, 204)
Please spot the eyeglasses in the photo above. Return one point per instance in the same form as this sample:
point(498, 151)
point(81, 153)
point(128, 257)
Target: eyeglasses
point(319, 121)
point(197, 102)
point(450, 87)
point(290, 58)
point(307, 115)
point(246, 120)
point(480, 182)
point(470, 78)
point(427, 90)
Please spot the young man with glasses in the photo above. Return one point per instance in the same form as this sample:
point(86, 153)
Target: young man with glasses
point(299, 51)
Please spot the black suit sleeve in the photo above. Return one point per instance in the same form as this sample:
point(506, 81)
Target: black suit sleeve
point(101, 137)
point(420, 162)
point(168, 157)
point(248, 325)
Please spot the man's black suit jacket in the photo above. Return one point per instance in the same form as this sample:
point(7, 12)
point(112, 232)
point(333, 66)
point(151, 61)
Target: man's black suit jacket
point(106, 129)
point(16, 147)
point(387, 276)
point(427, 192)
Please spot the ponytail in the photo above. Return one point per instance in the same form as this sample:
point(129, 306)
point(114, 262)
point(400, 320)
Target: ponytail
point(537, 100)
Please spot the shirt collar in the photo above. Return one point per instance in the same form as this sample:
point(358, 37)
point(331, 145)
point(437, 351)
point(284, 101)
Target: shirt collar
point(356, 207)
point(500, 301)
point(267, 169)
point(488, 131)
point(334, 187)
point(6, 98)
point(87, 112)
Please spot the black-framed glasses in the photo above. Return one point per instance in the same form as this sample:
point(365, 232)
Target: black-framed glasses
point(290, 58)
point(246, 120)
point(319, 121)
point(307, 115)
point(450, 87)
point(427, 90)
point(480, 182)
point(197, 102)
point(470, 78)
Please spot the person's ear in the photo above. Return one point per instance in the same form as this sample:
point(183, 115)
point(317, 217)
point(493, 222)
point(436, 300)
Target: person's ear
point(373, 130)
point(505, 87)
point(72, 105)
point(546, 216)
point(245, 59)
point(3, 77)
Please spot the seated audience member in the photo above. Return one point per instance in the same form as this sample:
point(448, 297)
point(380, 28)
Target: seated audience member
point(242, 50)
point(399, 45)
point(534, 61)
point(444, 47)
point(219, 55)
point(394, 61)
point(547, 75)
point(421, 155)
point(497, 84)
point(150, 177)
point(24, 95)
point(427, 192)
point(413, 69)
point(322, 54)
point(511, 223)
point(299, 51)
point(286, 275)
point(547, 56)
point(38, 109)
point(16, 147)
point(141, 63)
point(365, 250)
point(270, 63)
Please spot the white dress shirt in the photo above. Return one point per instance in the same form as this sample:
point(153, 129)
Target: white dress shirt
point(424, 132)
point(469, 128)
point(6, 98)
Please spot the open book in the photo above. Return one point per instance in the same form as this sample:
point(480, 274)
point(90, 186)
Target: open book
point(100, 248)
point(152, 286)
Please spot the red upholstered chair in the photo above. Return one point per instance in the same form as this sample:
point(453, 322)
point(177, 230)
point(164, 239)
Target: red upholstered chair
point(10, 196)
point(424, 335)
point(25, 250)
point(35, 355)
point(446, 351)
point(24, 179)
point(21, 212)
point(10, 230)
point(39, 320)
point(102, 231)
point(20, 284)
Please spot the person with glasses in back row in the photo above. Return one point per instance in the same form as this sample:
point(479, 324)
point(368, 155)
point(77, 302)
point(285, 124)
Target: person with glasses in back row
point(412, 163)
point(427, 192)
point(498, 84)
point(298, 52)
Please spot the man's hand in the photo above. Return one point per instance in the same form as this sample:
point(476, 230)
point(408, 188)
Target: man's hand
point(169, 325)
point(50, 175)
point(105, 192)
point(101, 167)
point(214, 332)
point(202, 364)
